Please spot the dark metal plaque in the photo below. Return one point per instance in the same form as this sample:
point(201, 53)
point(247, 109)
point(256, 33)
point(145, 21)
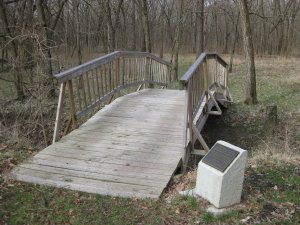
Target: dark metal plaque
point(220, 157)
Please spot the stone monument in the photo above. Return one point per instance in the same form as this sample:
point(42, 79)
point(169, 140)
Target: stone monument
point(220, 174)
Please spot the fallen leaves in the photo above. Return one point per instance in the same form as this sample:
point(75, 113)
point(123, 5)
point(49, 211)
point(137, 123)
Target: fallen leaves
point(244, 221)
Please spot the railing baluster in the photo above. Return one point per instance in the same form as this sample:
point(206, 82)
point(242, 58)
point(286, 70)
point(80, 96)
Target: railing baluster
point(102, 79)
point(106, 76)
point(72, 103)
point(135, 70)
point(78, 93)
point(94, 84)
point(88, 87)
point(118, 73)
point(98, 85)
point(57, 125)
point(83, 91)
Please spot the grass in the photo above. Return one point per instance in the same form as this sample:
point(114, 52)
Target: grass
point(271, 193)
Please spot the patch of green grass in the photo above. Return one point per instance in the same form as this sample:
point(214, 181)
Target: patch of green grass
point(283, 185)
point(192, 202)
point(277, 83)
point(231, 215)
point(208, 217)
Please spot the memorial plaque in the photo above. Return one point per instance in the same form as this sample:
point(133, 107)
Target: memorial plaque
point(220, 157)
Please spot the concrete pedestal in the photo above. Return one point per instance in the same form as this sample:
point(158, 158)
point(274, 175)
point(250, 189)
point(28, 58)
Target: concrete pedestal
point(219, 185)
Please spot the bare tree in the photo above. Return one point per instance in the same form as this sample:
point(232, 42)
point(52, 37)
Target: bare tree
point(146, 28)
point(251, 97)
point(175, 51)
point(200, 26)
point(15, 44)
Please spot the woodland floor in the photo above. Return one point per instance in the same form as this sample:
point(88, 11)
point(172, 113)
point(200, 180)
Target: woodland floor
point(271, 192)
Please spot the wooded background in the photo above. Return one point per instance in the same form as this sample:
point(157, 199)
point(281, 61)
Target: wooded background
point(36, 35)
point(39, 38)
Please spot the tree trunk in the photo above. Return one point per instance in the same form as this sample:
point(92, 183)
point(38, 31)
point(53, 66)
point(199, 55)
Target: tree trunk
point(145, 20)
point(263, 32)
point(162, 27)
point(78, 42)
point(110, 28)
point(251, 97)
point(200, 35)
point(133, 44)
point(177, 39)
point(47, 37)
point(235, 39)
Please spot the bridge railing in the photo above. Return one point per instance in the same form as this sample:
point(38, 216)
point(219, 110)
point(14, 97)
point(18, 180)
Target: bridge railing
point(96, 82)
point(207, 72)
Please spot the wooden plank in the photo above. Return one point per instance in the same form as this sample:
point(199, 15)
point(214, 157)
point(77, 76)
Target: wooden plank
point(94, 84)
point(157, 120)
point(135, 160)
point(107, 121)
point(153, 157)
point(115, 150)
point(88, 87)
point(96, 73)
point(87, 185)
point(135, 128)
point(130, 122)
point(128, 139)
point(114, 146)
point(83, 91)
point(95, 175)
point(132, 169)
point(124, 131)
point(104, 171)
point(133, 107)
point(154, 117)
point(78, 84)
point(72, 103)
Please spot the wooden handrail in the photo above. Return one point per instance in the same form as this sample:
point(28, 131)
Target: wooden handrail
point(200, 60)
point(79, 70)
point(209, 71)
point(93, 83)
point(189, 73)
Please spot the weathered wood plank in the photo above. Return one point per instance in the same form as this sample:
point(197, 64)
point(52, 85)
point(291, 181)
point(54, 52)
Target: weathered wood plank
point(115, 151)
point(87, 185)
point(104, 171)
point(136, 160)
point(116, 167)
point(115, 146)
point(95, 175)
point(131, 147)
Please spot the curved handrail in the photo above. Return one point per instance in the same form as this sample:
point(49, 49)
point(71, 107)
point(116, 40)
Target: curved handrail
point(90, 65)
point(203, 56)
point(189, 73)
point(208, 72)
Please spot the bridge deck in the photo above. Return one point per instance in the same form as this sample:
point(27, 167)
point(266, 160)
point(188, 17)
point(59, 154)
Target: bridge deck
point(130, 148)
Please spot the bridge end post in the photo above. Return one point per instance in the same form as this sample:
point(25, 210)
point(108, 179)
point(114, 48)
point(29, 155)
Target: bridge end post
point(57, 125)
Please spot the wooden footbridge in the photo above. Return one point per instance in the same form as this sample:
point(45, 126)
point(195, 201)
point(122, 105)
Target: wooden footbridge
point(129, 133)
